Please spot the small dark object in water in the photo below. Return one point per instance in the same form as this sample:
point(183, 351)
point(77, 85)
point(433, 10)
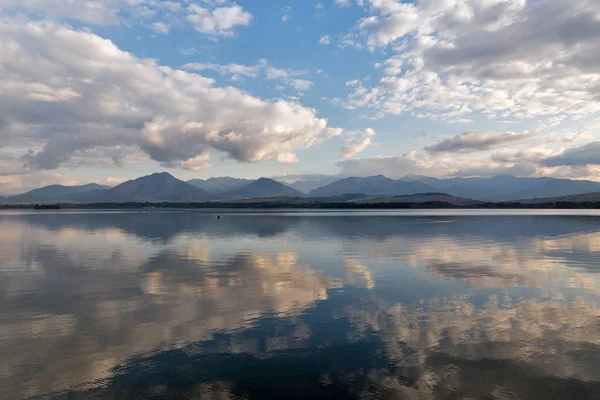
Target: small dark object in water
point(218, 217)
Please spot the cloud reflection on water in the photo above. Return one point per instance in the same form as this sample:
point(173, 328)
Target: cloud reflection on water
point(84, 297)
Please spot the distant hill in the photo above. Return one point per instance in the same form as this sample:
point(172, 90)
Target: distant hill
point(374, 185)
point(54, 193)
point(416, 198)
point(554, 188)
point(156, 187)
point(263, 187)
point(507, 187)
point(220, 185)
point(575, 198)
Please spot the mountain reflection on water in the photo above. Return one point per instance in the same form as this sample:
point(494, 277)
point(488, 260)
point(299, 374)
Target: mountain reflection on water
point(184, 305)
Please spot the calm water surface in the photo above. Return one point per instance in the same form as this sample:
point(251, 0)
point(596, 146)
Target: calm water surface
point(391, 305)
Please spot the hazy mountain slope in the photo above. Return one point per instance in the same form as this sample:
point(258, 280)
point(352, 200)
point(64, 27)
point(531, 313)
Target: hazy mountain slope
point(262, 187)
point(374, 185)
point(54, 193)
point(507, 187)
point(416, 198)
point(554, 188)
point(576, 198)
point(165, 187)
point(220, 185)
point(155, 187)
point(458, 188)
point(308, 185)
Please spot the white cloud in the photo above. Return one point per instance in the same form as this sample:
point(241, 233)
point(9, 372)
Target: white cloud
point(360, 146)
point(354, 149)
point(220, 21)
point(289, 77)
point(391, 166)
point(342, 3)
point(326, 39)
point(234, 70)
point(286, 75)
point(300, 84)
point(279, 73)
point(287, 13)
point(287, 158)
point(422, 164)
point(101, 12)
point(218, 18)
point(160, 28)
point(101, 96)
point(537, 157)
point(499, 57)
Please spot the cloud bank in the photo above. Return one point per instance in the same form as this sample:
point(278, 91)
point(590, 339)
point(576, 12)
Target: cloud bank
point(69, 91)
point(498, 57)
point(473, 141)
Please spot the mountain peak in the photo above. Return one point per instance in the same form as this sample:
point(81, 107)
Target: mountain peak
point(160, 186)
point(160, 175)
point(222, 184)
point(266, 180)
point(373, 185)
point(264, 187)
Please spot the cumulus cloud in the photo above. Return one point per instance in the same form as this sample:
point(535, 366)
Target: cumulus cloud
point(300, 84)
point(358, 147)
point(71, 91)
point(289, 77)
point(354, 149)
point(287, 158)
point(473, 141)
point(535, 158)
point(500, 57)
point(585, 155)
point(217, 18)
point(219, 21)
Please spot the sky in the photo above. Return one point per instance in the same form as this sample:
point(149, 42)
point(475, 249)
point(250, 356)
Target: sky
point(108, 90)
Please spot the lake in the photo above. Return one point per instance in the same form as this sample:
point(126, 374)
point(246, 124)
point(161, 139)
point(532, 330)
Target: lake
point(267, 305)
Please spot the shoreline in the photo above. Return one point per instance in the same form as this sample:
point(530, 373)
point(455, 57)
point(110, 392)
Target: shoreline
point(306, 206)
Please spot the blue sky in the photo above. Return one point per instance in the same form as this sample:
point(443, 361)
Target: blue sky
point(107, 90)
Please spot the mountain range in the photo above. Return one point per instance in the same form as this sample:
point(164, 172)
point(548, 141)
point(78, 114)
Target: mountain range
point(374, 186)
point(263, 187)
point(507, 187)
point(157, 188)
point(220, 185)
point(54, 192)
point(165, 187)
